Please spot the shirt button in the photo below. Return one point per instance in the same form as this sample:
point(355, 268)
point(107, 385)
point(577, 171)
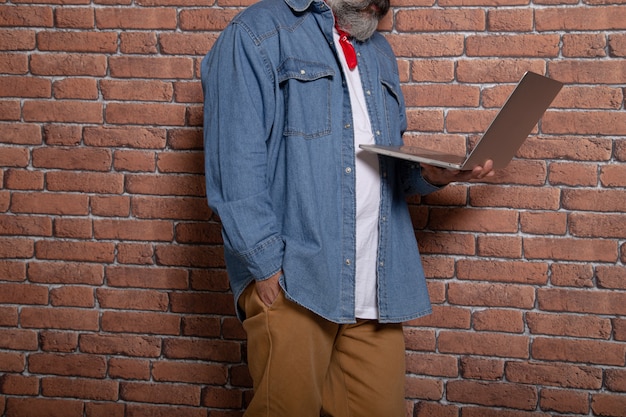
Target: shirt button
point(378, 133)
point(381, 263)
point(348, 170)
point(368, 92)
point(302, 72)
point(348, 262)
point(347, 126)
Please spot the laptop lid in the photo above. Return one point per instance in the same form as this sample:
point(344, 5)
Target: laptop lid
point(508, 130)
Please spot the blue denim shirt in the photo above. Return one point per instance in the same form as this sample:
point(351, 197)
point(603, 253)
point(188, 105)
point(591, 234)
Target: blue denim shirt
point(280, 157)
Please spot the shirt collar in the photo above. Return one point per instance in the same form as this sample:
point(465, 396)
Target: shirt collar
point(301, 5)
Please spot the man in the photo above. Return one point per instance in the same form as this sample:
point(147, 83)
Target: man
point(318, 241)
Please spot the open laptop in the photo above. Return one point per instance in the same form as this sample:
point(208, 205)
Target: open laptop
point(510, 128)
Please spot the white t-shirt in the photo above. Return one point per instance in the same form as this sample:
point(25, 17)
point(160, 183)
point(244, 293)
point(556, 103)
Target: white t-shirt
point(367, 196)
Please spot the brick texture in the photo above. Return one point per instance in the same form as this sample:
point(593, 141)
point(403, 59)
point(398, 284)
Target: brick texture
point(114, 300)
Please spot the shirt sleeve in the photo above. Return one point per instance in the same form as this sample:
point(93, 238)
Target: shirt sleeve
point(238, 114)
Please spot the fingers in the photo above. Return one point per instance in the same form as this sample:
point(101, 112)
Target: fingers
point(269, 289)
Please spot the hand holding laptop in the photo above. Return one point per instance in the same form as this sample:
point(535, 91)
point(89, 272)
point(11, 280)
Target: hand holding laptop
point(444, 176)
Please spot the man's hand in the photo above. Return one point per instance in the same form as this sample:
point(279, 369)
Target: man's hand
point(269, 289)
point(443, 176)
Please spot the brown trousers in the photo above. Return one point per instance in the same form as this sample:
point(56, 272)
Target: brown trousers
point(305, 366)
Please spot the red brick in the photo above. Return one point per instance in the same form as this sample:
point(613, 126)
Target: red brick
point(91, 389)
point(76, 88)
point(8, 316)
point(510, 20)
point(148, 90)
point(123, 345)
point(580, 18)
point(220, 397)
point(523, 272)
point(190, 256)
point(125, 368)
point(482, 368)
point(135, 18)
point(496, 70)
point(612, 405)
point(531, 198)
point(66, 65)
point(203, 326)
point(110, 206)
point(426, 45)
point(19, 225)
point(148, 230)
point(37, 407)
point(73, 228)
point(13, 63)
point(611, 277)
point(572, 275)
point(16, 248)
point(543, 223)
point(78, 365)
point(206, 19)
point(86, 182)
point(104, 409)
point(25, 87)
point(11, 270)
point(579, 351)
point(167, 371)
point(18, 339)
point(74, 17)
point(568, 249)
point(66, 273)
point(179, 394)
point(446, 243)
point(135, 253)
point(202, 349)
point(581, 301)
point(564, 401)
point(14, 157)
point(137, 277)
point(518, 45)
point(180, 208)
point(132, 299)
point(185, 138)
point(62, 135)
point(584, 45)
point(573, 174)
point(18, 179)
point(177, 162)
point(62, 111)
point(597, 225)
point(146, 410)
point(151, 67)
point(199, 303)
point(73, 296)
point(484, 344)
point(94, 42)
point(12, 362)
point(138, 43)
point(495, 394)
point(616, 380)
point(428, 409)
point(21, 133)
point(613, 176)
point(499, 246)
point(54, 341)
point(440, 20)
point(132, 137)
point(59, 318)
point(589, 122)
point(145, 114)
point(432, 364)
point(560, 375)
point(25, 16)
point(446, 317)
point(617, 45)
point(209, 280)
point(477, 220)
point(186, 43)
point(420, 339)
point(145, 323)
point(75, 251)
point(423, 388)
point(594, 200)
point(491, 295)
point(12, 384)
point(569, 325)
point(498, 320)
point(199, 233)
point(91, 159)
point(23, 294)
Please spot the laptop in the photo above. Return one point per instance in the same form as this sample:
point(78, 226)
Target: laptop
point(510, 128)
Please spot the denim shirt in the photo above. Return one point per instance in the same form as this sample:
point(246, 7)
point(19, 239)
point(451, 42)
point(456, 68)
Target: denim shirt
point(280, 157)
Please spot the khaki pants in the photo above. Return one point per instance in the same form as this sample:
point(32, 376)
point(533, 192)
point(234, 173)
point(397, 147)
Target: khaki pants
point(305, 366)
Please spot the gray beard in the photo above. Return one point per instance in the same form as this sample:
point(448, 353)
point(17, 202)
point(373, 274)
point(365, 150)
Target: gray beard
point(352, 17)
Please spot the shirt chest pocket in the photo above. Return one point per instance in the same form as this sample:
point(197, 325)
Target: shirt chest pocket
point(393, 111)
point(306, 90)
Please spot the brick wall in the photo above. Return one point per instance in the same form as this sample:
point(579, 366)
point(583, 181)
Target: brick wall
point(113, 297)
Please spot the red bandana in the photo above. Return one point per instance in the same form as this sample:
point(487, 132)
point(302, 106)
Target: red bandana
point(348, 48)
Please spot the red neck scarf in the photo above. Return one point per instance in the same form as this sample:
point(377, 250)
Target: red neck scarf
point(347, 47)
